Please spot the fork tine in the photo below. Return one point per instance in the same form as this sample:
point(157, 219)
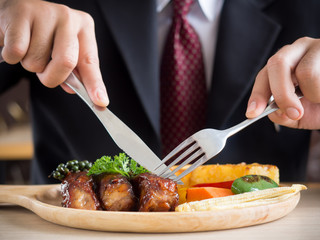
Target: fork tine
point(179, 148)
point(199, 162)
point(194, 156)
point(191, 148)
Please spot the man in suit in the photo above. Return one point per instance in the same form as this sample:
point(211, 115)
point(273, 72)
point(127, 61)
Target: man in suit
point(52, 40)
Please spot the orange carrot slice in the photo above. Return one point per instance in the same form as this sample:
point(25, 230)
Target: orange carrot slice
point(200, 193)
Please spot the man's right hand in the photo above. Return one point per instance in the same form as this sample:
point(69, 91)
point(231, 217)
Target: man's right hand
point(52, 40)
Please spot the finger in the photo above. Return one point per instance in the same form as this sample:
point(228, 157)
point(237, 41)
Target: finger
point(282, 119)
point(16, 40)
point(66, 88)
point(40, 48)
point(64, 53)
point(308, 73)
point(310, 118)
point(260, 95)
point(282, 84)
point(88, 64)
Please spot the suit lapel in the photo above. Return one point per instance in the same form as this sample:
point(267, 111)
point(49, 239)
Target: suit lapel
point(133, 25)
point(243, 47)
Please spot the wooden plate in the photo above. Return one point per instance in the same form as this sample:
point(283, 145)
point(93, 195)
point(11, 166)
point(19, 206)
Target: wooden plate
point(44, 200)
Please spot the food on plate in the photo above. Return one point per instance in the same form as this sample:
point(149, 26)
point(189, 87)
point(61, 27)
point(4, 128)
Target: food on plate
point(114, 184)
point(115, 192)
point(120, 184)
point(200, 193)
point(251, 183)
point(156, 194)
point(71, 166)
point(77, 192)
point(213, 173)
point(121, 164)
point(248, 199)
point(222, 175)
point(225, 184)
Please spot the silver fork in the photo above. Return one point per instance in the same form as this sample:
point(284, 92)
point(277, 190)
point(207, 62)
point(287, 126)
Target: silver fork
point(205, 144)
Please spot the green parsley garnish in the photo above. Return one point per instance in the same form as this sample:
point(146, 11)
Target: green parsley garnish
point(121, 164)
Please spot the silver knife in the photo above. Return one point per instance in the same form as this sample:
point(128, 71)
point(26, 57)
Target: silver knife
point(122, 135)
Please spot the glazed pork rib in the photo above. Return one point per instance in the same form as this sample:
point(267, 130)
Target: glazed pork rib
point(115, 192)
point(77, 192)
point(114, 184)
point(155, 194)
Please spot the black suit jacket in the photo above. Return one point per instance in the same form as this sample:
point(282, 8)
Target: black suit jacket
point(250, 32)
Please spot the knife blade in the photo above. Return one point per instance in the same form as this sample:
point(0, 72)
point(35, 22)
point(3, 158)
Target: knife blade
point(123, 136)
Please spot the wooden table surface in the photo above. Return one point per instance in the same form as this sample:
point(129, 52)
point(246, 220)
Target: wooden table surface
point(302, 223)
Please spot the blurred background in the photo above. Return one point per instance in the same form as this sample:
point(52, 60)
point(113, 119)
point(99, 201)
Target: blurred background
point(16, 147)
point(15, 135)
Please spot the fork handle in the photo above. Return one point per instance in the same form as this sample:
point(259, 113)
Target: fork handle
point(269, 109)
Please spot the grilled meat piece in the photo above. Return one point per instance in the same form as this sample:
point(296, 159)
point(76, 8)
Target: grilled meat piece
point(155, 194)
point(77, 192)
point(115, 192)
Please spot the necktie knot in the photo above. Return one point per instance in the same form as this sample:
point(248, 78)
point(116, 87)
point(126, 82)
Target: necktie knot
point(181, 8)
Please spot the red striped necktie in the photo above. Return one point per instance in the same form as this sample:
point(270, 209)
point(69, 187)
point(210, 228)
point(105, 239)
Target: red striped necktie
point(183, 88)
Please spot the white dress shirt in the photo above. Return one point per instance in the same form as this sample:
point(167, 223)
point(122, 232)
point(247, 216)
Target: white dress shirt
point(204, 17)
